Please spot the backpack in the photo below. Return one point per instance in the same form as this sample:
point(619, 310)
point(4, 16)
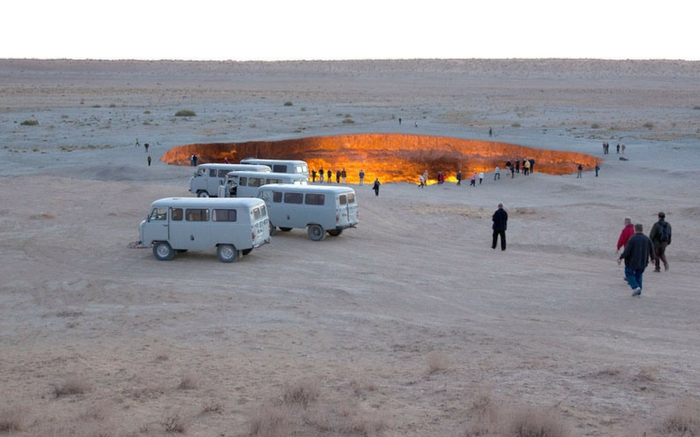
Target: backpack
point(664, 235)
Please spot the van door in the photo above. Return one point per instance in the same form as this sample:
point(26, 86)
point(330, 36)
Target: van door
point(157, 226)
point(191, 231)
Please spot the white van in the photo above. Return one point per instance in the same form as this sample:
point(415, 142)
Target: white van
point(319, 208)
point(281, 165)
point(232, 226)
point(246, 183)
point(208, 177)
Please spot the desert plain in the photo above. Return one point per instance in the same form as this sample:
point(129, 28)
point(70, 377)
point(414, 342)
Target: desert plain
point(408, 325)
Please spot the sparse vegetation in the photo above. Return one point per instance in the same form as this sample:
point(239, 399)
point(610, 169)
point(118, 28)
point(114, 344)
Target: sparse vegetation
point(515, 124)
point(173, 423)
point(437, 361)
point(301, 392)
point(696, 107)
point(12, 420)
point(185, 113)
point(684, 419)
point(288, 104)
point(71, 386)
point(30, 123)
point(649, 125)
point(212, 407)
point(188, 382)
point(595, 126)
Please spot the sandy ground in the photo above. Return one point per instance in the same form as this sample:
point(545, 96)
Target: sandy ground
point(408, 325)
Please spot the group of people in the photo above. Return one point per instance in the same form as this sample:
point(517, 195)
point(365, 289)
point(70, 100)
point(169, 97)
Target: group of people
point(606, 148)
point(527, 165)
point(639, 249)
point(340, 175)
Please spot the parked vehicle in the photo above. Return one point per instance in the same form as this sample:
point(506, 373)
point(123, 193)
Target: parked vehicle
point(231, 226)
point(208, 177)
point(246, 183)
point(281, 165)
point(319, 208)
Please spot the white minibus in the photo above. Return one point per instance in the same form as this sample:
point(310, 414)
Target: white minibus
point(208, 177)
point(231, 226)
point(281, 165)
point(322, 209)
point(246, 183)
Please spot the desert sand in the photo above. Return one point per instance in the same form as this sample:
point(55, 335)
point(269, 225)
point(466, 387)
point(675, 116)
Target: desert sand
point(407, 325)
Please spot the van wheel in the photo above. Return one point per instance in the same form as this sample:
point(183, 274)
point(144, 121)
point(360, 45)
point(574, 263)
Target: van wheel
point(335, 232)
point(162, 251)
point(202, 194)
point(273, 229)
point(227, 253)
point(285, 229)
point(316, 232)
point(246, 251)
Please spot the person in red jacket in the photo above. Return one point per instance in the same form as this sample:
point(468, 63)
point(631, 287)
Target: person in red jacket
point(626, 233)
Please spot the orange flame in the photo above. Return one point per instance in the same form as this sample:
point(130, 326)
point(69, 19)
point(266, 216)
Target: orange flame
point(389, 157)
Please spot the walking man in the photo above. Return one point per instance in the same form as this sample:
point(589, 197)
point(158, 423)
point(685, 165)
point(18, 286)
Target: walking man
point(626, 234)
point(660, 235)
point(375, 186)
point(637, 252)
point(362, 177)
point(500, 224)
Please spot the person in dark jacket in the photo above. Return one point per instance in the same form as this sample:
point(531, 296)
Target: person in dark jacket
point(660, 235)
point(638, 250)
point(500, 224)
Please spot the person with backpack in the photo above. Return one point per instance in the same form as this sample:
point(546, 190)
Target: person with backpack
point(660, 235)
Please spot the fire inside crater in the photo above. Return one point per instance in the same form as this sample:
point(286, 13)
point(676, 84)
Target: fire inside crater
point(390, 157)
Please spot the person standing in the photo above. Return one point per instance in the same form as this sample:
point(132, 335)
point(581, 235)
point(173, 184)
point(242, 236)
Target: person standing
point(459, 177)
point(313, 175)
point(637, 252)
point(623, 149)
point(149, 160)
point(500, 224)
point(626, 234)
point(481, 177)
point(337, 176)
point(145, 146)
point(362, 177)
point(497, 174)
point(597, 169)
point(344, 175)
point(375, 187)
point(330, 176)
point(580, 171)
point(321, 174)
point(421, 181)
point(660, 235)
point(472, 181)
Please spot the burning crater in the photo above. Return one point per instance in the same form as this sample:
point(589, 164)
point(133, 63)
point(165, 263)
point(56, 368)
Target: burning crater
point(390, 157)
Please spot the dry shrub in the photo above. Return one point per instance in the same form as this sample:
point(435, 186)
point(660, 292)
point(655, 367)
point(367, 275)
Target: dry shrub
point(537, 422)
point(274, 421)
point(12, 420)
point(684, 419)
point(301, 392)
point(437, 361)
point(71, 386)
point(174, 422)
point(487, 414)
point(188, 382)
point(648, 374)
point(345, 418)
point(212, 407)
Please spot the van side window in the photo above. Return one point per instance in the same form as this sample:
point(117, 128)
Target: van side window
point(293, 198)
point(225, 215)
point(176, 214)
point(256, 213)
point(159, 214)
point(243, 181)
point(278, 168)
point(315, 199)
point(351, 198)
point(277, 196)
point(273, 181)
point(212, 172)
point(256, 182)
point(343, 199)
point(197, 215)
point(223, 173)
point(201, 172)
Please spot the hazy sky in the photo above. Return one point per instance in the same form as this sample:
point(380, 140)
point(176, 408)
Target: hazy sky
point(353, 29)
